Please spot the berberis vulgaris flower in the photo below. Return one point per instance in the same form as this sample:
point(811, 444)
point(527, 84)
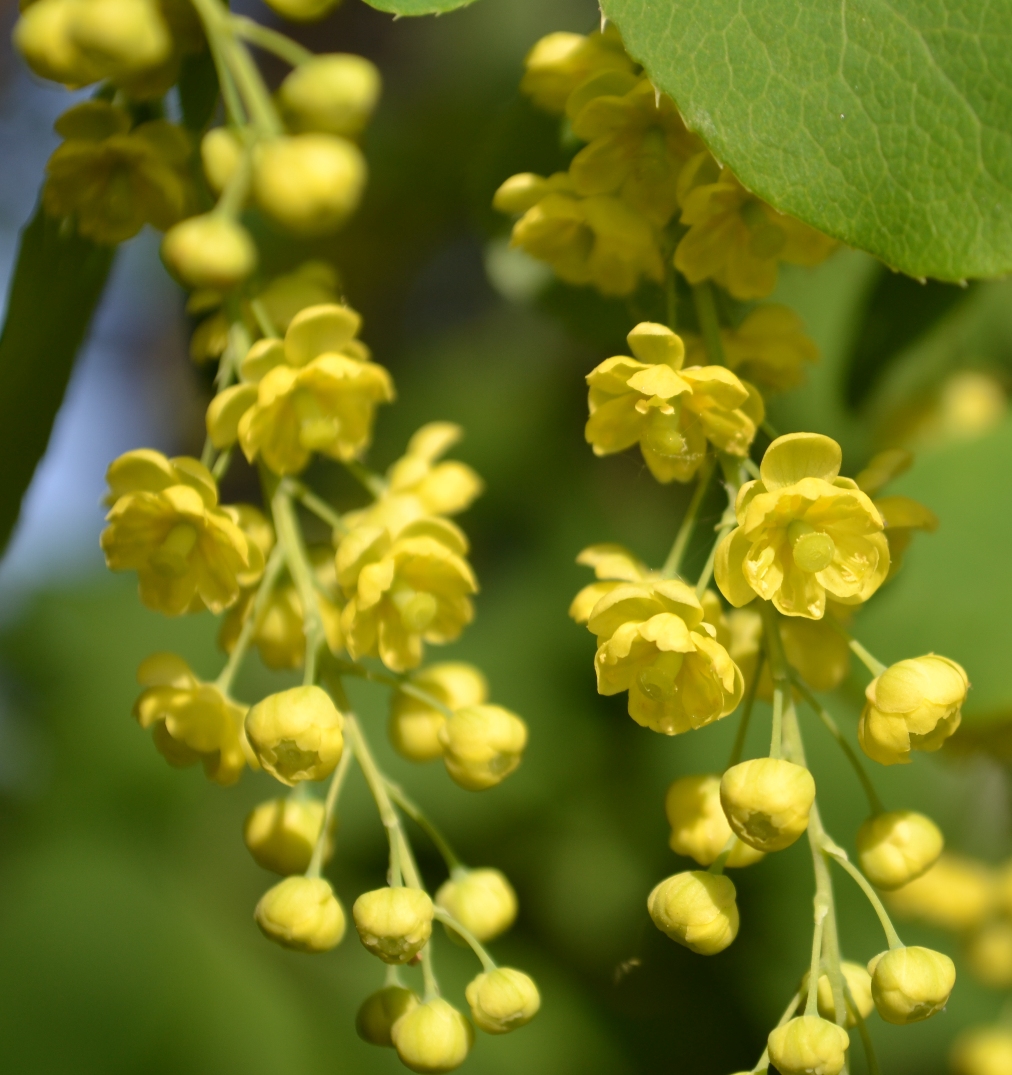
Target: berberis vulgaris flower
point(803, 532)
point(670, 411)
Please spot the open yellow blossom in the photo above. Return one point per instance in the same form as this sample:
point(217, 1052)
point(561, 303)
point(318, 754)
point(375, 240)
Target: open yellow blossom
point(560, 62)
point(637, 145)
point(613, 564)
point(114, 180)
point(654, 643)
point(598, 240)
point(404, 590)
point(803, 532)
point(734, 237)
point(191, 721)
point(165, 525)
point(670, 411)
point(769, 348)
point(315, 392)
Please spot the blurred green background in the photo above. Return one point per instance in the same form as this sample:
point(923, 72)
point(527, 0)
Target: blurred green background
point(126, 935)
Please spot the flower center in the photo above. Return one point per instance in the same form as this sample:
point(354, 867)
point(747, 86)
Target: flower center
point(317, 431)
point(659, 680)
point(417, 609)
point(662, 434)
point(172, 558)
point(813, 550)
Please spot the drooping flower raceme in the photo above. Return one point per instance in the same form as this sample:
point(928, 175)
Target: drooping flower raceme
point(670, 411)
point(803, 532)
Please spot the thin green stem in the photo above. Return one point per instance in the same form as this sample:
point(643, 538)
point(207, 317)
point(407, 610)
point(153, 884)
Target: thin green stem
point(768, 429)
point(815, 967)
point(207, 453)
point(270, 40)
point(353, 668)
point(752, 467)
point(329, 808)
point(875, 666)
point(234, 110)
point(221, 464)
point(831, 953)
point(674, 560)
point(840, 856)
point(413, 878)
point(670, 295)
point(727, 523)
point(449, 856)
point(862, 1029)
point(233, 196)
point(873, 800)
point(317, 505)
point(299, 567)
point(764, 1061)
point(739, 740)
point(378, 788)
point(709, 322)
point(718, 864)
point(373, 483)
point(487, 962)
point(264, 320)
point(779, 670)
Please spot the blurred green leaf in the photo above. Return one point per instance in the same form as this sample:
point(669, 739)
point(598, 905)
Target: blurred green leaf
point(885, 123)
point(56, 286)
point(198, 89)
point(417, 7)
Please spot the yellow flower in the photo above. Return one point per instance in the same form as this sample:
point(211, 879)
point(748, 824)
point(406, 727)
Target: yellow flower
point(165, 525)
point(379, 1012)
point(613, 564)
point(415, 724)
point(404, 589)
point(699, 826)
point(696, 909)
point(114, 180)
point(502, 1000)
point(637, 147)
point(808, 1045)
point(191, 721)
point(767, 801)
point(301, 913)
point(913, 705)
point(956, 894)
point(802, 531)
point(394, 923)
point(335, 93)
point(281, 834)
point(598, 240)
point(911, 984)
point(482, 745)
point(983, 1050)
point(654, 643)
point(735, 238)
point(296, 734)
point(315, 392)
point(432, 1037)
point(895, 848)
point(670, 411)
point(769, 348)
point(560, 62)
point(989, 954)
point(857, 980)
point(482, 901)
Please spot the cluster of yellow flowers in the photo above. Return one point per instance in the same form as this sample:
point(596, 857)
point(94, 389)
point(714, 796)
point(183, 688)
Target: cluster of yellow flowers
point(295, 382)
point(798, 551)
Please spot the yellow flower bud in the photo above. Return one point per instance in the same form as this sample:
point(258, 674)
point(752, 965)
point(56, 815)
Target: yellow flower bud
point(984, 1050)
point(914, 705)
point(121, 38)
point(767, 801)
point(303, 10)
point(308, 182)
point(858, 981)
point(394, 923)
point(433, 1037)
point(808, 1045)
point(699, 827)
point(696, 909)
point(955, 894)
point(502, 1000)
point(281, 834)
point(211, 250)
point(896, 847)
point(301, 913)
point(415, 724)
point(43, 37)
point(482, 901)
point(296, 734)
point(559, 62)
point(482, 745)
point(220, 156)
point(379, 1012)
point(989, 953)
point(334, 93)
point(911, 984)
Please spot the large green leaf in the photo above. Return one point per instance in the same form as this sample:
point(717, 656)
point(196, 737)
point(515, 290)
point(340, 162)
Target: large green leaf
point(417, 7)
point(57, 283)
point(886, 123)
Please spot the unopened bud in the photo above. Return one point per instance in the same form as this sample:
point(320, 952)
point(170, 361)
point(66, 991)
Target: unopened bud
point(433, 1037)
point(696, 909)
point(394, 923)
point(415, 724)
point(989, 953)
point(767, 801)
point(334, 94)
point(303, 10)
point(220, 155)
point(808, 1045)
point(955, 894)
point(380, 1011)
point(502, 1000)
point(301, 913)
point(210, 250)
point(699, 827)
point(858, 982)
point(482, 745)
point(984, 1050)
point(296, 734)
point(911, 984)
point(43, 37)
point(281, 834)
point(121, 37)
point(896, 847)
point(482, 901)
point(308, 182)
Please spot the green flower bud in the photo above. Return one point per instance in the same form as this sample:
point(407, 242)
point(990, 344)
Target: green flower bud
point(911, 984)
point(380, 1011)
point(210, 250)
point(121, 38)
point(303, 10)
point(220, 156)
point(482, 745)
point(699, 828)
point(43, 37)
point(281, 834)
point(309, 183)
point(858, 982)
point(984, 1050)
point(433, 1037)
point(808, 1045)
point(394, 923)
point(482, 901)
point(502, 1000)
point(301, 913)
point(696, 909)
point(296, 734)
point(767, 801)
point(334, 94)
point(897, 847)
